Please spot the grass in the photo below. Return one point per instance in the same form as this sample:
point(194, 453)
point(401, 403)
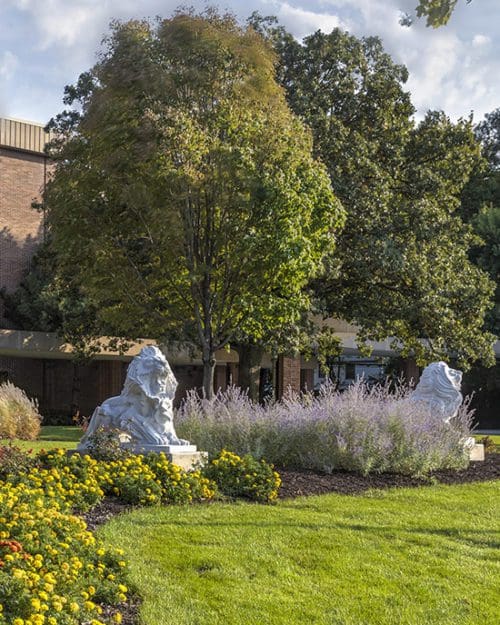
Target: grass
point(50, 437)
point(426, 556)
point(67, 437)
point(494, 437)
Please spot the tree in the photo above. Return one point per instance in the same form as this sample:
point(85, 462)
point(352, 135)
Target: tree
point(436, 12)
point(185, 197)
point(481, 208)
point(46, 302)
point(487, 256)
point(401, 266)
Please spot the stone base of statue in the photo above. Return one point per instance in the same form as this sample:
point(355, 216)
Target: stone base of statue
point(476, 450)
point(185, 456)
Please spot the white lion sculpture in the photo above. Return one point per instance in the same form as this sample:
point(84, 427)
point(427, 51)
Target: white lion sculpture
point(144, 409)
point(439, 387)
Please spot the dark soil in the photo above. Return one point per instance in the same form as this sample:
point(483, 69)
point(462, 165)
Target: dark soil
point(300, 483)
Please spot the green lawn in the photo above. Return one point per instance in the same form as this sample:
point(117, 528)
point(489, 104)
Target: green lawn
point(494, 437)
point(426, 556)
point(67, 437)
point(51, 436)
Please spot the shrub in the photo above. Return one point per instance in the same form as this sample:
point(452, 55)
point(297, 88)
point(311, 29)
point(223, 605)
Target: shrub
point(177, 485)
point(19, 416)
point(244, 477)
point(364, 429)
point(490, 446)
point(104, 444)
point(132, 479)
point(14, 461)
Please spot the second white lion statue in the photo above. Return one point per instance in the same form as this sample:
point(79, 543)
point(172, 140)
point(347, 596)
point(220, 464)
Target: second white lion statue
point(439, 387)
point(144, 409)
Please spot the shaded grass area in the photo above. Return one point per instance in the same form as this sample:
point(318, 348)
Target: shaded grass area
point(408, 557)
point(50, 437)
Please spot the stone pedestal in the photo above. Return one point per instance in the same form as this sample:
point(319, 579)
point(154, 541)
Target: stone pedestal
point(185, 456)
point(476, 452)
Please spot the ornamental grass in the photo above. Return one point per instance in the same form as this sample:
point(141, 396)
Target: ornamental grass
point(19, 416)
point(364, 429)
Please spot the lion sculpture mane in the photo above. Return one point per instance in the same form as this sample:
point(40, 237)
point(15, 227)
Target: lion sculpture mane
point(439, 388)
point(143, 411)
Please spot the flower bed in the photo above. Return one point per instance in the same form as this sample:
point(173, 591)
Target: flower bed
point(55, 572)
point(366, 430)
point(52, 570)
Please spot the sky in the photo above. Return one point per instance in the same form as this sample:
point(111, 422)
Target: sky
point(46, 44)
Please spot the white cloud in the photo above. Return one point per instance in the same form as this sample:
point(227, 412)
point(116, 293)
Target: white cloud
point(480, 40)
point(8, 64)
point(302, 22)
point(451, 68)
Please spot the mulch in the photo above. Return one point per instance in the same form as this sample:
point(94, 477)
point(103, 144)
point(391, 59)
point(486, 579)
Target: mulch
point(303, 483)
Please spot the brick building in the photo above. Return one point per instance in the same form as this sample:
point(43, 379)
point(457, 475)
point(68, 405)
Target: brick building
point(23, 173)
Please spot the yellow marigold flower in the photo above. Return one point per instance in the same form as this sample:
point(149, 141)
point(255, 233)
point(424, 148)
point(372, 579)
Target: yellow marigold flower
point(117, 617)
point(74, 607)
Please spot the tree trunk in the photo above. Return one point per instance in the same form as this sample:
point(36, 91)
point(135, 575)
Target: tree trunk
point(274, 375)
point(410, 371)
point(208, 374)
point(75, 394)
point(249, 370)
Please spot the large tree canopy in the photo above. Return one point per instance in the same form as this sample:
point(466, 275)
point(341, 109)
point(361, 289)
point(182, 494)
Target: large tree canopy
point(185, 197)
point(481, 208)
point(401, 267)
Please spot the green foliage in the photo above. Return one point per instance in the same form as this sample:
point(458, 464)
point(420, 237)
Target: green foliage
point(490, 446)
point(185, 197)
point(52, 570)
point(104, 444)
point(244, 477)
point(487, 226)
point(436, 12)
point(178, 486)
point(14, 460)
point(401, 264)
point(130, 478)
point(481, 208)
point(49, 301)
